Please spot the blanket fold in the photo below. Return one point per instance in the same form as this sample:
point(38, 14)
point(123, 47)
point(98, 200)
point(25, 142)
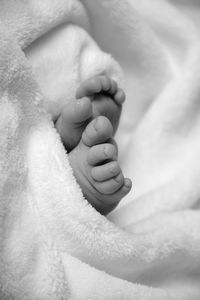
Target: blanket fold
point(53, 244)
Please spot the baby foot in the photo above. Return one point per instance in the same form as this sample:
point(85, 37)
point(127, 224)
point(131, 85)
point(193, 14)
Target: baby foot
point(72, 121)
point(95, 166)
point(106, 97)
point(107, 101)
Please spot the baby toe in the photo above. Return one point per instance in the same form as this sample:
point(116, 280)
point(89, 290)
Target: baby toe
point(110, 186)
point(82, 111)
point(105, 82)
point(100, 153)
point(123, 191)
point(106, 172)
point(111, 201)
point(120, 96)
point(98, 131)
point(113, 87)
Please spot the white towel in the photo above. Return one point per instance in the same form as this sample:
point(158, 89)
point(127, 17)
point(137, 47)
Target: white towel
point(53, 244)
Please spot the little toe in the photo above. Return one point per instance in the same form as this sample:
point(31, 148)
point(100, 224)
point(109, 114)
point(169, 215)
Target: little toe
point(103, 152)
point(110, 186)
point(98, 131)
point(120, 96)
point(122, 192)
point(116, 197)
point(109, 202)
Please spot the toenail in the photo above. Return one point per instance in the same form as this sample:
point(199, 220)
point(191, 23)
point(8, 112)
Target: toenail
point(114, 168)
point(127, 183)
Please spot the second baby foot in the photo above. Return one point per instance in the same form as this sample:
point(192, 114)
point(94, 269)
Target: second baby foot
point(96, 169)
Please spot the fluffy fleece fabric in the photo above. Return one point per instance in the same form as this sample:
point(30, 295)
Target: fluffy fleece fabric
point(53, 244)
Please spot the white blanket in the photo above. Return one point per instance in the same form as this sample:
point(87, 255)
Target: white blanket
point(53, 244)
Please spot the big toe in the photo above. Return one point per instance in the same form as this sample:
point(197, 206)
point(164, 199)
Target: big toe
point(72, 121)
point(98, 131)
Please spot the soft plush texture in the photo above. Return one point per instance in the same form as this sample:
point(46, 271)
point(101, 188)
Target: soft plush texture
point(53, 244)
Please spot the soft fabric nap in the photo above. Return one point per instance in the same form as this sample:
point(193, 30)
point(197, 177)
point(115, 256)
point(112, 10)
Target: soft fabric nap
point(53, 244)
